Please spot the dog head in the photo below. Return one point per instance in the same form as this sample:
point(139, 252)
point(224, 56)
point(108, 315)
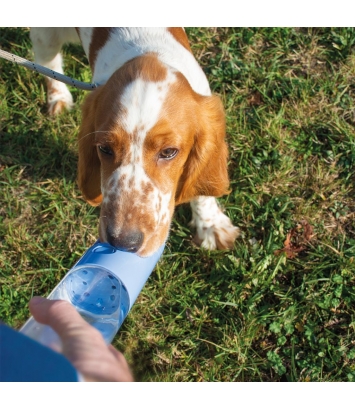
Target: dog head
point(148, 142)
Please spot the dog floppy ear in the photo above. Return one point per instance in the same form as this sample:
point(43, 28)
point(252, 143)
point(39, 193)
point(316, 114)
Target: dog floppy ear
point(89, 167)
point(205, 171)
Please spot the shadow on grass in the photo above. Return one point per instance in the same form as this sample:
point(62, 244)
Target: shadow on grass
point(41, 155)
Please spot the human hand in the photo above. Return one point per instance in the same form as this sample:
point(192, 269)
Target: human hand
point(82, 344)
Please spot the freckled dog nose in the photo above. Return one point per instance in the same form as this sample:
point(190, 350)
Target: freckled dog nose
point(126, 241)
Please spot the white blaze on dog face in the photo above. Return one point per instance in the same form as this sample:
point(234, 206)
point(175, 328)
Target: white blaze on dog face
point(132, 200)
point(143, 101)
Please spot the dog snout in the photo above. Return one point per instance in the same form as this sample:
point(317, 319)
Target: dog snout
point(126, 241)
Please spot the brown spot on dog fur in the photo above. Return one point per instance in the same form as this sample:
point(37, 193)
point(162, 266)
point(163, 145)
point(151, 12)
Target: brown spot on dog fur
point(131, 182)
point(99, 37)
point(223, 240)
point(57, 108)
point(180, 36)
point(134, 136)
point(122, 180)
point(147, 187)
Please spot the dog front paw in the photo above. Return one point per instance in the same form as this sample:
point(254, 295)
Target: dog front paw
point(220, 235)
point(59, 98)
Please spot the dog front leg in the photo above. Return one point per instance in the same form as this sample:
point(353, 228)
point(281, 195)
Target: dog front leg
point(214, 230)
point(47, 43)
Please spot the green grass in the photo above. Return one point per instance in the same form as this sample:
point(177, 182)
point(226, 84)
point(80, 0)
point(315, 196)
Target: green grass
point(250, 314)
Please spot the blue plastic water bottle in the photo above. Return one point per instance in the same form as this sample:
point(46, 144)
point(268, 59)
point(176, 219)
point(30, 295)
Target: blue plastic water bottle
point(103, 286)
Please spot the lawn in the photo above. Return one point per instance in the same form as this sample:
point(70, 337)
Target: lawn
point(281, 305)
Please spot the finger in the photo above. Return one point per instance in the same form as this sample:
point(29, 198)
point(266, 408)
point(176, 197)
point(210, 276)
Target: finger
point(125, 374)
point(58, 314)
point(117, 354)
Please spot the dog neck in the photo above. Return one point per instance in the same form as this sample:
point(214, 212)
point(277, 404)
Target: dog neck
point(108, 49)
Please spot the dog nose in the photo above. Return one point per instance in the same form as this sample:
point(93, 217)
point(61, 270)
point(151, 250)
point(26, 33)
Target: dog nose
point(126, 241)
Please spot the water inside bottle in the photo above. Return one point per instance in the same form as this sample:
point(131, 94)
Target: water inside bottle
point(98, 295)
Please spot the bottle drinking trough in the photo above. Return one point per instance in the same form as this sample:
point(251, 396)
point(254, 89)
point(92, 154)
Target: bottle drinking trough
point(103, 286)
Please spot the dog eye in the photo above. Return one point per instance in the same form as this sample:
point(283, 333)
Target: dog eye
point(168, 153)
point(105, 149)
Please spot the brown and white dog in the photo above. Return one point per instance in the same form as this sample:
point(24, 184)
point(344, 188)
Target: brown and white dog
point(152, 135)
